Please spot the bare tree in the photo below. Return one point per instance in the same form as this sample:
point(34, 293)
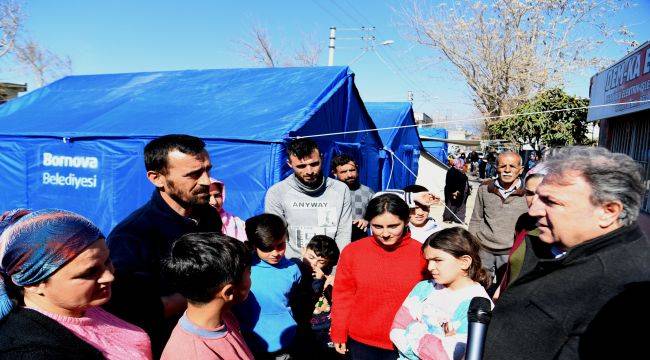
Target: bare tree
point(508, 50)
point(309, 51)
point(43, 64)
point(257, 48)
point(11, 18)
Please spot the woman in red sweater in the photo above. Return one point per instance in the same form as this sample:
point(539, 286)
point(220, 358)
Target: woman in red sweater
point(373, 277)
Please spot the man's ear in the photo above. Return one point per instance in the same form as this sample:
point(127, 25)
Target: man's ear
point(608, 213)
point(156, 178)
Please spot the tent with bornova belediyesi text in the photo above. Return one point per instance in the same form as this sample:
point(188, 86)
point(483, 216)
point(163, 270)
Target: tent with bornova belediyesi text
point(77, 144)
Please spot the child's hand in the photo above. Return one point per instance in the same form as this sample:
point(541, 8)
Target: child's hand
point(340, 348)
point(329, 280)
point(361, 224)
point(448, 328)
point(318, 273)
point(426, 198)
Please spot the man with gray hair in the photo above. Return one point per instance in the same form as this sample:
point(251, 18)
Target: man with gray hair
point(576, 300)
point(498, 205)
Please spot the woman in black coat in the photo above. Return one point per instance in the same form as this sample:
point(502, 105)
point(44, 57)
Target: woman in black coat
point(456, 191)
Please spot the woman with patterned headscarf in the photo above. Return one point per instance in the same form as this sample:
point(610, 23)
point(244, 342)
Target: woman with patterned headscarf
point(55, 274)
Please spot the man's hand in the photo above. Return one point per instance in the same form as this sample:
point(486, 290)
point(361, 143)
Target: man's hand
point(361, 224)
point(340, 348)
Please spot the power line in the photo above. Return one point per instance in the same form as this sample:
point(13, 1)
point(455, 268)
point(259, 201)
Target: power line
point(395, 69)
point(329, 12)
point(345, 12)
point(351, 6)
point(474, 119)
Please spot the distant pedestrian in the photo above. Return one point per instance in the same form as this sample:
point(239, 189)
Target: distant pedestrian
point(457, 190)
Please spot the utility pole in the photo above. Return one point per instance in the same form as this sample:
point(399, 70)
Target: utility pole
point(330, 61)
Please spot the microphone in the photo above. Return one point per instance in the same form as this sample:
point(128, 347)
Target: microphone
point(478, 316)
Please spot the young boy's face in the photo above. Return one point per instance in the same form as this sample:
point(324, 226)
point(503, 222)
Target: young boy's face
point(274, 256)
point(419, 215)
point(313, 261)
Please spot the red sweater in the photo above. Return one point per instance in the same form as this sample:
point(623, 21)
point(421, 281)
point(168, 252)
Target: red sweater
point(370, 285)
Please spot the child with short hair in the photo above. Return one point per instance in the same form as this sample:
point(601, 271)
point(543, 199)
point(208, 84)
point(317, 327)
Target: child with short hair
point(421, 225)
point(212, 272)
point(320, 257)
point(432, 322)
point(266, 317)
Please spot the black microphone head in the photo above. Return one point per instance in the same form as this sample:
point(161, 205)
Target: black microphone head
point(480, 310)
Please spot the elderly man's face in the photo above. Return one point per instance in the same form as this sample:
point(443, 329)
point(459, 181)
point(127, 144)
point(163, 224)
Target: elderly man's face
point(508, 168)
point(565, 213)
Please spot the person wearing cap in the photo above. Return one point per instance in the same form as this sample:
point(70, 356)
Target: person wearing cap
point(56, 273)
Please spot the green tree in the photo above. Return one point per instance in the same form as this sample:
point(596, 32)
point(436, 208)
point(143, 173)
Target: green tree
point(553, 127)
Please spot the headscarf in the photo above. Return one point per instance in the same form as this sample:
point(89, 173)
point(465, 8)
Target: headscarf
point(459, 164)
point(538, 170)
point(232, 225)
point(34, 245)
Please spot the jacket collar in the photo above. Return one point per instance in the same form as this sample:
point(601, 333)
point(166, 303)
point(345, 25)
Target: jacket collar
point(617, 237)
point(165, 210)
point(492, 188)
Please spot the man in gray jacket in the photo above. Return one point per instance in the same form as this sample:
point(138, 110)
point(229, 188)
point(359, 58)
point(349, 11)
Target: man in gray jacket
point(498, 205)
point(309, 202)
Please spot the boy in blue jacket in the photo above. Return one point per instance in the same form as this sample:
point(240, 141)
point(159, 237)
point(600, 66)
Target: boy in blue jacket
point(266, 318)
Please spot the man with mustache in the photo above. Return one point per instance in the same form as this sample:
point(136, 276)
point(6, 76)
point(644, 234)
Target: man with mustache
point(310, 203)
point(345, 169)
point(179, 167)
point(498, 205)
point(585, 277)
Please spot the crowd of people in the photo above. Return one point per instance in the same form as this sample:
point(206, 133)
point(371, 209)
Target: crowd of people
point(332, 270)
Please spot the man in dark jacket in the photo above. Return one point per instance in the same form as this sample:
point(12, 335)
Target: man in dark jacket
point(574, 301)
point(179, 167)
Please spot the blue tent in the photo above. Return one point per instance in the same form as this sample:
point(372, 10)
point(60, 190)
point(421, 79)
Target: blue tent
point(77, 144)
point(436, 148)
point(402, 145)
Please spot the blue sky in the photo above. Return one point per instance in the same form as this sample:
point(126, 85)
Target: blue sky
point(146, 35)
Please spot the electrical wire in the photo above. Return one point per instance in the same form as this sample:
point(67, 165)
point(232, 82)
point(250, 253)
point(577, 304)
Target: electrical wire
point(415, 175)
point(475, 119)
